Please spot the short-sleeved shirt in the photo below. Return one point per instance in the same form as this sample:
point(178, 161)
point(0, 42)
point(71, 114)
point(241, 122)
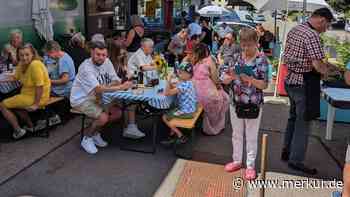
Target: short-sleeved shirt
point(302, 47)
point(138, 59)
point(36, 75)
point(187, 99)
point(229, 52)
point(250, 94)
point(65, 65)
point(88, 78)
point(194, 29)
point(348, 66)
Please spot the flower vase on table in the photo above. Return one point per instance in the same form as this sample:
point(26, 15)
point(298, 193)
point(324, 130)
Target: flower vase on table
point(161, 66)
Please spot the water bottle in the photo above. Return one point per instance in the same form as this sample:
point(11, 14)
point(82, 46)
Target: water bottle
point(140, 77)
point(10, 67)
point(135, 78)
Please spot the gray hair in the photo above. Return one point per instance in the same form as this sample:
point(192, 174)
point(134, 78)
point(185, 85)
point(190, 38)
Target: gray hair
point(77, 39)
point(98, 38)
point(52, 46)
point(14, 32)
point(147, 41)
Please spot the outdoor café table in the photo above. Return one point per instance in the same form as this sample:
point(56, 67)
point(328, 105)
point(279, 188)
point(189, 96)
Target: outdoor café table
point(336, 98)
point(7, 87)
point(148, 97)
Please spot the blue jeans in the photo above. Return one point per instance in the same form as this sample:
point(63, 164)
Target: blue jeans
point(297, 132)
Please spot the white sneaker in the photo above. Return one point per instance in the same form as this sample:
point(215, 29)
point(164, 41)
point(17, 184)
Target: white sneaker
point(18, 133)
point(99, 141)
point(133, 132)
point(40, 124)
point(30, 129)
point(88, 144)
point(54, 120)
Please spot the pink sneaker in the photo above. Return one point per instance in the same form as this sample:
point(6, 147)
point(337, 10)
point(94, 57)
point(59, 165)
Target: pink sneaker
point(250, 174)
point(232, 167)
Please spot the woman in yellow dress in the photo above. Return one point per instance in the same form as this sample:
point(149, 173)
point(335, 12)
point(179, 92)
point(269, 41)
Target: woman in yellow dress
point(35, 91)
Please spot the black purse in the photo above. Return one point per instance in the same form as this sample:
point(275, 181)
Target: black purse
point(247, 111)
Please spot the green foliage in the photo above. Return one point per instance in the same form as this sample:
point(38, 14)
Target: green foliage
point(342, 49)
point(339, 5)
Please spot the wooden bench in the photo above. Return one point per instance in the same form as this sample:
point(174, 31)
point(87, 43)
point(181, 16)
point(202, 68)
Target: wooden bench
point(83, 118)
point(188, 124)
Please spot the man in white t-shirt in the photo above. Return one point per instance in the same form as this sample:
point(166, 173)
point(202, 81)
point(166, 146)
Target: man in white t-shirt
point(96, 75)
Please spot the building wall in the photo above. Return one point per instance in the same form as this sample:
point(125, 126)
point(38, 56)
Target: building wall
point(67, 18)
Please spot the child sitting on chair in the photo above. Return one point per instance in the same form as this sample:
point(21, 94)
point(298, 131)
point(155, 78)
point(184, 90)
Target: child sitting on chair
point(186, 102)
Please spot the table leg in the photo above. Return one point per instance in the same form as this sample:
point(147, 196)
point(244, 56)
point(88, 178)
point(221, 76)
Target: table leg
point(330, 121)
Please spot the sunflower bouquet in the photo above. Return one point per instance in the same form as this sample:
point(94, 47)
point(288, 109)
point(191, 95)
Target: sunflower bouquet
point(161, 65)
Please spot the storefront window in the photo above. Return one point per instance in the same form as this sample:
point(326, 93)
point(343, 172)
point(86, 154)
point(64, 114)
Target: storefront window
point(97, 6)
point(151, 12)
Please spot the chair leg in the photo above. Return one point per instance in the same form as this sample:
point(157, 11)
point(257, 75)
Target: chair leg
point(154, 137)
point(82, 127)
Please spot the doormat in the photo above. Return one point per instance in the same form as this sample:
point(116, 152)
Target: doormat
point(208, 180)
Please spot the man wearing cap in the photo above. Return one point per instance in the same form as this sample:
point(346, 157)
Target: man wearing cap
point(303, 56)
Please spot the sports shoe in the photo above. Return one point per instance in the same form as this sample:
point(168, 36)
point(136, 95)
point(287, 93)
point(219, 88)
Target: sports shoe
point(133, 132)
point(88, 145)
point(99, 141)
point(250, 174)
point(169, 141)
point(181, 140)
point(18, 133)
point(232, 167)
point(54, 120)
point(30, 129)
point(40, 124)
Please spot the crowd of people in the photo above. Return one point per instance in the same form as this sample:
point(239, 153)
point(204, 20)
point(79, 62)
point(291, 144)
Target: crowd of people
point(213, 70)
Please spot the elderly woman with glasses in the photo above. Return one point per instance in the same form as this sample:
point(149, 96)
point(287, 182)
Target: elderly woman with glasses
point(35, 91)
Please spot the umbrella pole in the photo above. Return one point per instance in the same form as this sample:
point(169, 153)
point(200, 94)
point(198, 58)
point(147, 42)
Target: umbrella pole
point(304, 9)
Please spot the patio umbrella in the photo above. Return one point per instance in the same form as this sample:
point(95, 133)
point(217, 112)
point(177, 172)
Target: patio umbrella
point(293, 5)
point(42, 18)
point(212, 11)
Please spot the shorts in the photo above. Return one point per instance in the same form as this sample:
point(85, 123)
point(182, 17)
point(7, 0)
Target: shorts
point(175, 113)
point(90, 108)
point(21, 101)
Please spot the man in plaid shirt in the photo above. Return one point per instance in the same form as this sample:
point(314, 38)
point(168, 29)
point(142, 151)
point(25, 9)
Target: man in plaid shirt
point(303, 54)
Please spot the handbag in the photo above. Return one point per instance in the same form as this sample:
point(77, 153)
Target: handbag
point(247, 111)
